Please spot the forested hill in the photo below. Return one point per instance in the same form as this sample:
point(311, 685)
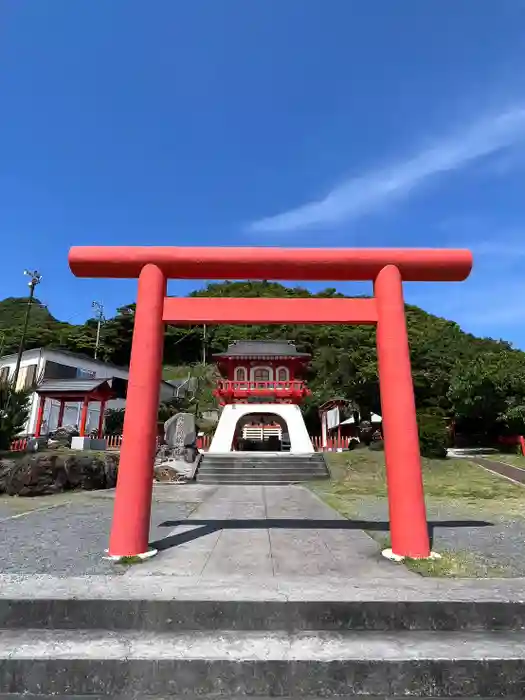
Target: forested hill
point(451, 369)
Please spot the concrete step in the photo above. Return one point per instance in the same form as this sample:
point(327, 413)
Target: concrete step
point(254, 457)
point(288, 456)
point(260, 465)
point(281, 461)
point(277, 664)
point(210, 480)
point(225, 471)
point(263, 476)
point(250, 468)
point(260, 470)
point(171, 614)
point(268, 464)
point(261, 480)
point(23, 696)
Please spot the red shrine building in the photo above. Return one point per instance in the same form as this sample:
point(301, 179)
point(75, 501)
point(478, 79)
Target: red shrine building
point(261, 370)
point(260, 389)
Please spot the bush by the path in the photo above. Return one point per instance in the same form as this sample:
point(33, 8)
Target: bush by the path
point(14, 412)
point(433, 435)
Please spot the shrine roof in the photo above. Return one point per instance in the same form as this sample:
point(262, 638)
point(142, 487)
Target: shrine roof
point(76, 387)
point(262, 348)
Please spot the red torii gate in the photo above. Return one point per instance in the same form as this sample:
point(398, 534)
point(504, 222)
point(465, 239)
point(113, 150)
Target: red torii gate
point(388, 268)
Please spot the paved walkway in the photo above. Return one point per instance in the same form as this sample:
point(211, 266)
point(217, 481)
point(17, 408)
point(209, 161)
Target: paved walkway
point(509, 471)
point(264, 532)
point(202, 532)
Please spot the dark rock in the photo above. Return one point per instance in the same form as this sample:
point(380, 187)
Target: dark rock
point(48, 473)
point(90, 473)
point(37, 476)
point(164, 473)
point(377, 446)
point(6, 467)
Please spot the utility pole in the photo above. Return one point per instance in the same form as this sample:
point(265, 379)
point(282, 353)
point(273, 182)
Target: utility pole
point(99, 308)
point(204, 346)
point(36, 278)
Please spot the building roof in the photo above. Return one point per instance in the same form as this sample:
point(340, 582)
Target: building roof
point(73, 387)
point(262, 348)
point(190, 383)
point(69, 353)
point(336, 401)
point(182, 387)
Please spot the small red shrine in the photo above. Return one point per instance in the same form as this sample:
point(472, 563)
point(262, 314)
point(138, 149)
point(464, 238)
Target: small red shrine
point(261, 371)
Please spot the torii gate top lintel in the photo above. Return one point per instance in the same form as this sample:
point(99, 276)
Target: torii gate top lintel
point(298, 264)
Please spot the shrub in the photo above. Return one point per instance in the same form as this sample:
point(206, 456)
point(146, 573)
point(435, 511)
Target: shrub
point(366, 432)
point(433, 435)
point(377, 446)
point(14, 413)
point(114, 421)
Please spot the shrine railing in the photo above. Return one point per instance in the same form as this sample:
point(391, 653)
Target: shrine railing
point(232, 386)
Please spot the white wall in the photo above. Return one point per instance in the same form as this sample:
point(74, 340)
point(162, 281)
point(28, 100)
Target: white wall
point(290, 414)
point(30, 357)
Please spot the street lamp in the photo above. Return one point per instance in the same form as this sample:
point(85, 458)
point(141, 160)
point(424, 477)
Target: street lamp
point(99, 308)
point(36, 278)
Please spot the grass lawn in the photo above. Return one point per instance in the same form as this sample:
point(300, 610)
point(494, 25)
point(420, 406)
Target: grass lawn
point(360, 475)
point(362, 472)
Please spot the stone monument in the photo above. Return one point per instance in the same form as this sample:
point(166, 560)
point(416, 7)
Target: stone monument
point(179, 452)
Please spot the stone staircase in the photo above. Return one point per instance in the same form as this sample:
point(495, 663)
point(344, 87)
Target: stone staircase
point(261, 468)
point(152, 641)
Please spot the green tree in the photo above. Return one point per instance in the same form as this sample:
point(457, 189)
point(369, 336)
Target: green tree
point(478, 380)
point(14, 413)
point(114, 421)
point(488, 394)
point(434, 437)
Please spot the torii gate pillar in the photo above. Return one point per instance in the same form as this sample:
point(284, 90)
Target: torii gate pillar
point(408, 522)
point(387, 268)
point(132, 512)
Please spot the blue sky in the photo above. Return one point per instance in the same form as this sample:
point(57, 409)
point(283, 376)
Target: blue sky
point(265, 122)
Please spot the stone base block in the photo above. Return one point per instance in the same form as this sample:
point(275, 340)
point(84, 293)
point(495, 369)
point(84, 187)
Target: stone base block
point(36, 444)
point(87, 443)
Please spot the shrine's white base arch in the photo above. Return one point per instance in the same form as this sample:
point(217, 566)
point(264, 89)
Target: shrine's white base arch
point(300, 442)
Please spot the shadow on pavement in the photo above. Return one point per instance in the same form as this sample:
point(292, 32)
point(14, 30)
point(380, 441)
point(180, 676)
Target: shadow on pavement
point(206, 527)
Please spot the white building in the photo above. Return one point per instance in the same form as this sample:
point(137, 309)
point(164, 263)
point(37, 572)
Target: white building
point(43, 365)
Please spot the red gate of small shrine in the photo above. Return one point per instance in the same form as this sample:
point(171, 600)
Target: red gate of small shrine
point(387, 268)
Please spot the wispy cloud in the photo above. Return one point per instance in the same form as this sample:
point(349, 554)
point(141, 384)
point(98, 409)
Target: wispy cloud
point(361, 195)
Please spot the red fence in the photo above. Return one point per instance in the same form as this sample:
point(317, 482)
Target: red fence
point(332, 444)
point(18, 445)
point(114, 442)
point(203, 443)
point(513, 440)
